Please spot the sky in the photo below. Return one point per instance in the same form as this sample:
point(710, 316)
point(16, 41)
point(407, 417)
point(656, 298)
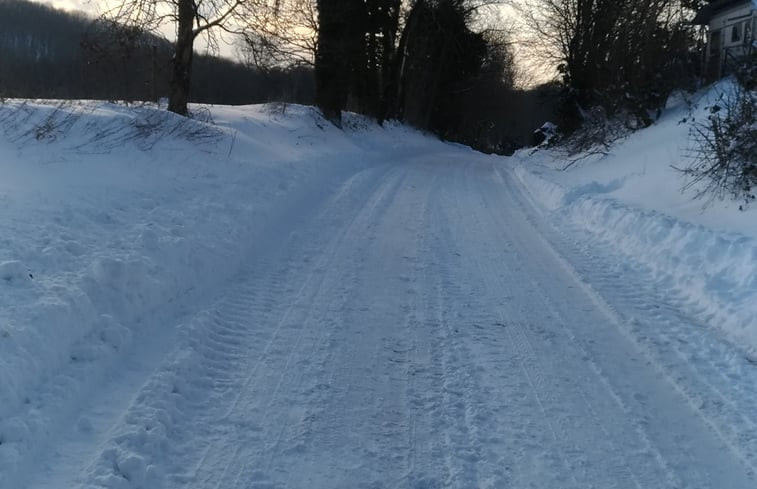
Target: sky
point(88, 6)
point(531, 74)
point(95, 8)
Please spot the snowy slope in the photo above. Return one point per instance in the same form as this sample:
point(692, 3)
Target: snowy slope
point(115, 217)
point(632, 201)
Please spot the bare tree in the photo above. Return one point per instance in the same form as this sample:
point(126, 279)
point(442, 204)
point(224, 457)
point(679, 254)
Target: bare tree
point(340, 53)
point(280, 33)
point(191, 18)
point(622, 55)
point(723, 147)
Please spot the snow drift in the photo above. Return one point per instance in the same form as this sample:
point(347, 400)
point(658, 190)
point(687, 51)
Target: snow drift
point(631, 199)
point(117, 220)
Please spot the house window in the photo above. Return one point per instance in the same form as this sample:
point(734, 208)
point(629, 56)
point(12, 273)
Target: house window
point(736, 33)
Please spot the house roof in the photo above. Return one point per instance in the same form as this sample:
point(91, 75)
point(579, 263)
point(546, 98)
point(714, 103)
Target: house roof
point(707, 12)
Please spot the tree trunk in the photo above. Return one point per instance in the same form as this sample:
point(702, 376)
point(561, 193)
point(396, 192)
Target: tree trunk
point(331, 78)
point(389, 52)
point(181, 64)
point(395, 100)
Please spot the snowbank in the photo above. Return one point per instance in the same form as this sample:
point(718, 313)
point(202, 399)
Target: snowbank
point(115, 221)
point(631, 200)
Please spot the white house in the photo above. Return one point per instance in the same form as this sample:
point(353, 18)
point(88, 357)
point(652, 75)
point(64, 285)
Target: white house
point(731, 34)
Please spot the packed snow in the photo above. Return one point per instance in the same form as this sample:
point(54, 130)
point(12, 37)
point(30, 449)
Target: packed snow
point(255, 298)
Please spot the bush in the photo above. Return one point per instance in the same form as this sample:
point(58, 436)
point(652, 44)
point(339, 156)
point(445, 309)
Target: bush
point(618, 60)
point(723, 151)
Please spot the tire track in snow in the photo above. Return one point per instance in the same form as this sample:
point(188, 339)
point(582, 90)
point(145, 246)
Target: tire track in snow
point(475, 274)
point(336, 279)
point(595, 410)
point(585, 405)
point(636, 456)
point(682, 450)
point(71, 412)
point(168, 395)
point(422, 331)
point(429, 457)
point(462, 398)
point(677, 347)
point(359, 434)
point(256, 464)
point(718, 381)
point(239, 429)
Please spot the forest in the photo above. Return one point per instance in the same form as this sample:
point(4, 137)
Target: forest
point(54, 54)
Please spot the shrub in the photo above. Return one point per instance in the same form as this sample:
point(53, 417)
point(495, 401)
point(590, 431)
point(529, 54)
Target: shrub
point(723, 150)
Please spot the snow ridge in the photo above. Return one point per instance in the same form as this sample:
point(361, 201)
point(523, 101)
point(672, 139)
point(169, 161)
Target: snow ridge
point(715, 272)
point(630, 200)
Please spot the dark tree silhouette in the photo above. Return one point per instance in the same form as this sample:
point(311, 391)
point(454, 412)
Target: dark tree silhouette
point(48, 53)
point(620, 55)
point(191, 20)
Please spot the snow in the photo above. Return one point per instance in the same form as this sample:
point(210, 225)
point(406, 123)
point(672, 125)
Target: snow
point(114, 217)
point(632, 199)
point(258, 299)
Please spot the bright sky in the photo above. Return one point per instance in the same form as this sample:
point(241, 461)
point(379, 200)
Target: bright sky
point(94, 8)
point(531, 75)
point(88, 6)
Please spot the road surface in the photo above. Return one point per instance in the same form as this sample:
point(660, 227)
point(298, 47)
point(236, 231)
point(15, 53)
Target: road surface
point(424, 325)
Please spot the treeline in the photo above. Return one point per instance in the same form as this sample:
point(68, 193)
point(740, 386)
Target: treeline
point(48, 53)
point(433, 70)
point(442, 65)
point(425, 66)
point(618, 60)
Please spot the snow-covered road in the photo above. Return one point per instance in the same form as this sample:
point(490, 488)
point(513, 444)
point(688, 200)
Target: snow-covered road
point(422, 326)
